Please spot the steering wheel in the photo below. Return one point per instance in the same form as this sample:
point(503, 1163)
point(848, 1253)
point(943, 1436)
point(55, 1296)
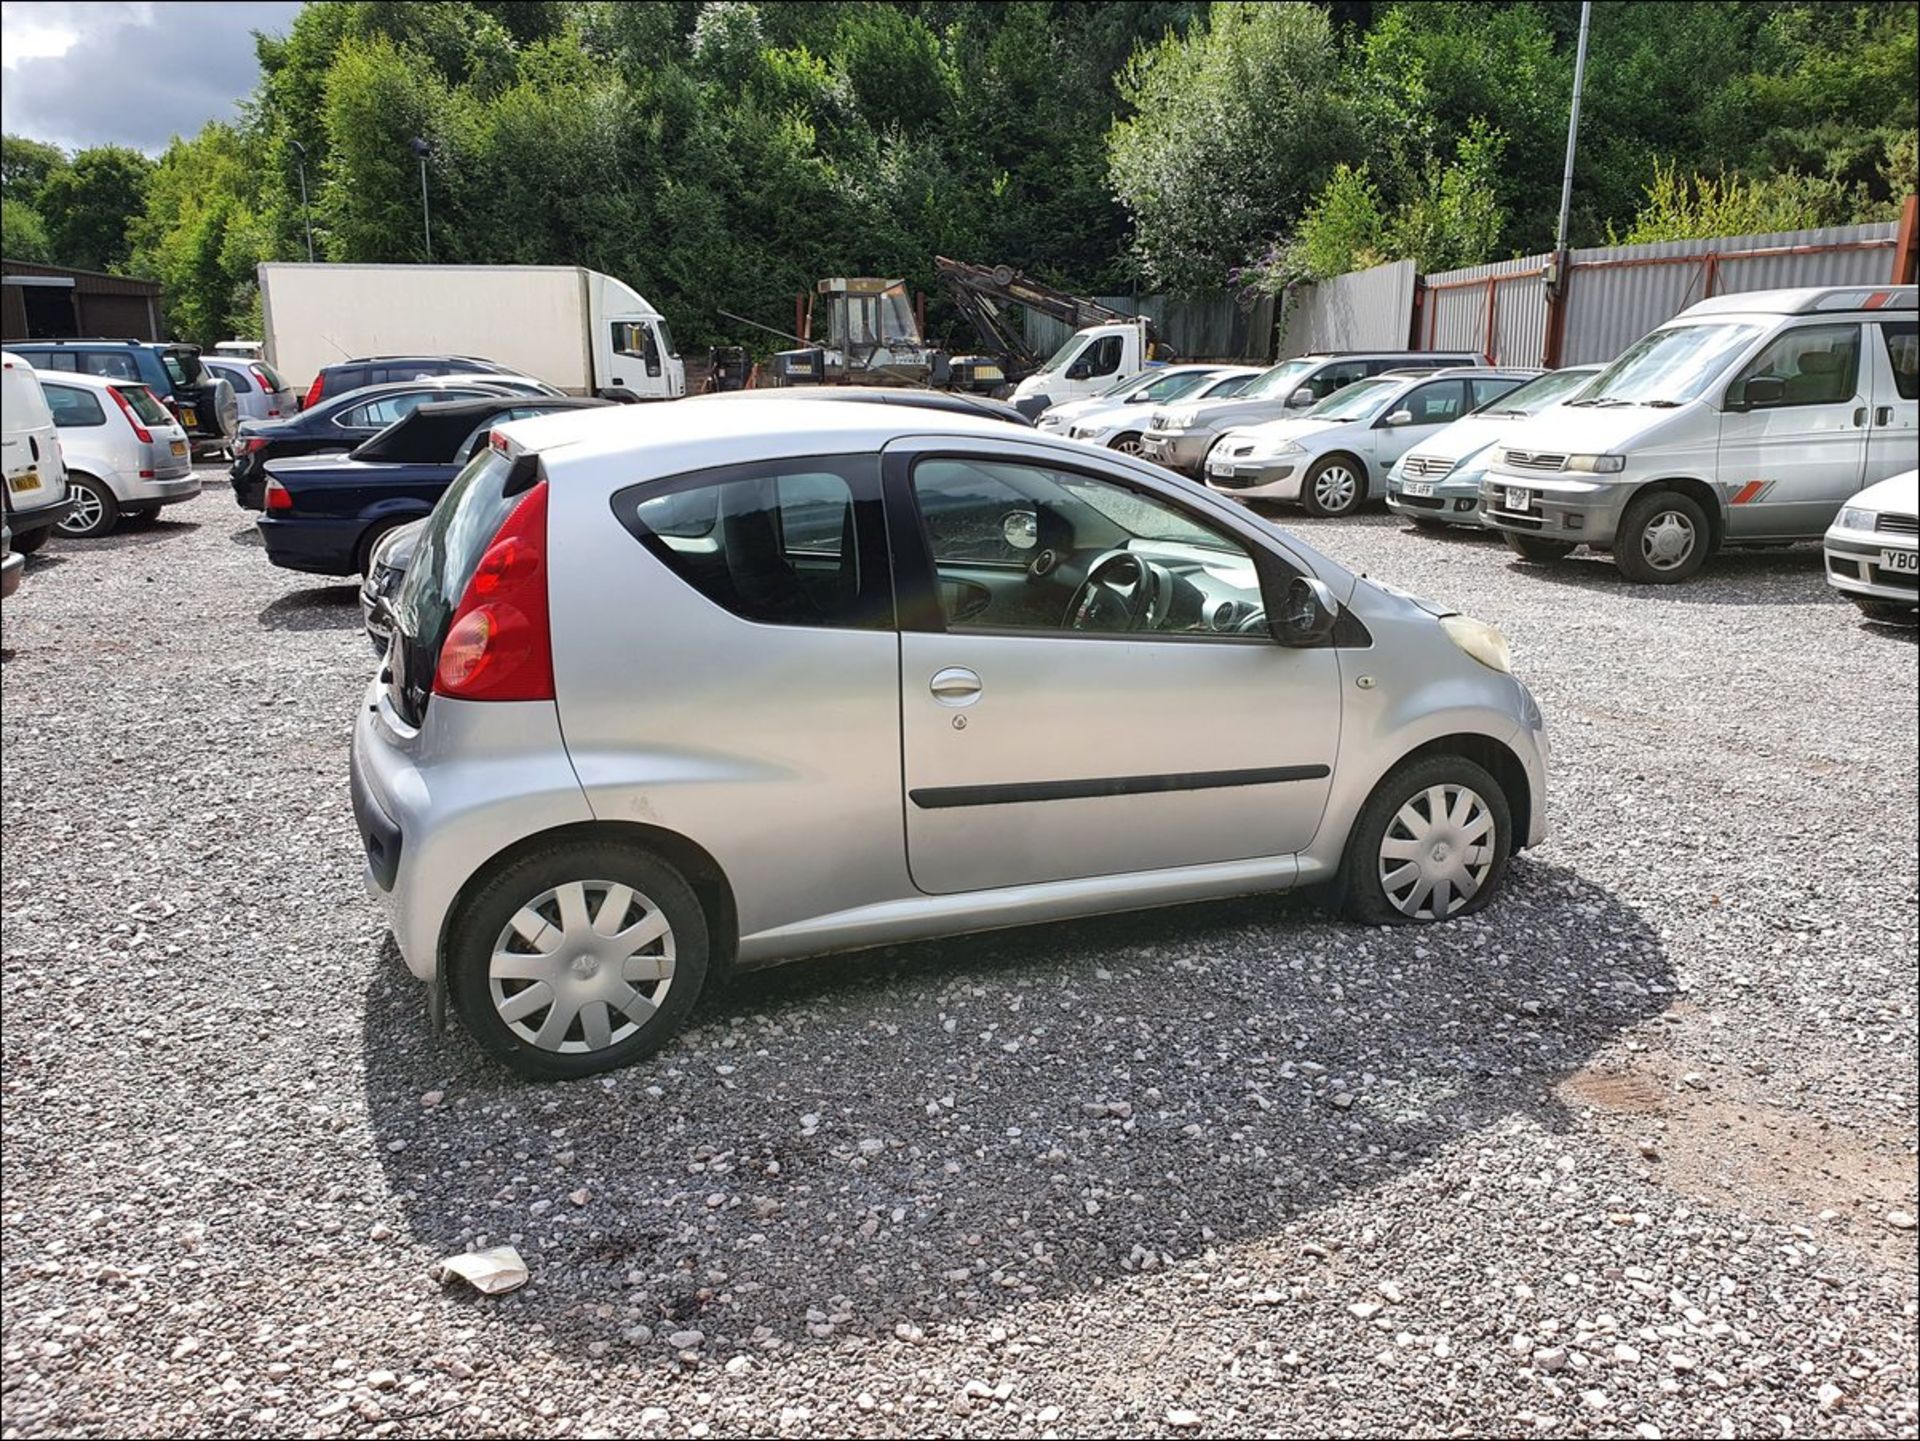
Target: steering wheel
point(1122, 592)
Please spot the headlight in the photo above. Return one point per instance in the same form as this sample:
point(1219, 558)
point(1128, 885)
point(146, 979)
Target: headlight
point(1597, 464)
point(1858, 517)
point(1180, 420)
point(1479, 640)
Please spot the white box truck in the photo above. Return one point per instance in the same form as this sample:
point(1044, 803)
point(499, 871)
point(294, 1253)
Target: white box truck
point(575, 328)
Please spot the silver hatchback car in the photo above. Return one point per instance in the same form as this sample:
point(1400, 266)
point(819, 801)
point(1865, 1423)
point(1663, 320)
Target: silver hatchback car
point(674, 689)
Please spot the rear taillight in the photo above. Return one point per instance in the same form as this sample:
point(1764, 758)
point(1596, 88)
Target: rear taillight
point(132, 418)
point(250, 443)
point(260, 379)
point(500, 646)
point(276, 497)
point(314, 392)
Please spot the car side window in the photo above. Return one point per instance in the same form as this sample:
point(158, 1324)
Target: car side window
point(1902, 339)
point(1099, 557)
point(1331, 378)
point(1436, 403)
point(1817, 364)
point(73, 408)
point(113, 364)
point(792, 542)
point(1103, 358)
point(51, 360)
point(1490, 388)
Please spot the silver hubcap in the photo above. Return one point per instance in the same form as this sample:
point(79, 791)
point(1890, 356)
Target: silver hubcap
point(1335, 488)
point(1668, 540)
point(1437, 851)
point(582, 966)
point(1129, 446)
point(87, 509)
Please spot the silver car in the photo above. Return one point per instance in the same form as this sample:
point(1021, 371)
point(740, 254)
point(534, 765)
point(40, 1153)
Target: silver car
point(260, 391)
point(674, 689)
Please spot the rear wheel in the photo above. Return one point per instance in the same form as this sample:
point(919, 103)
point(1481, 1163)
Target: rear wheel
point(1128, 444)
point(1430, 844)
point(579, 958)
point(27, 542)
point(1663, 538)
point(1333, 486)
point(95, 512)
point(1533, 548)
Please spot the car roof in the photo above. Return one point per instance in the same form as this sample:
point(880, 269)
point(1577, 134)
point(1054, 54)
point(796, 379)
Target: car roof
point(952, 402)
point(747, 429)
point(393, 387)
point(421, 356)
point(1807, 300)
point(87, 382)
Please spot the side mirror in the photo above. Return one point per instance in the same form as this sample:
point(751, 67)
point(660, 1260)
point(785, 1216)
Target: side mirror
point(1307, 615)
point(1762, 390)
point(1080, 370)
point(1301, 397)
point(1020, 529)
point(1399, 417)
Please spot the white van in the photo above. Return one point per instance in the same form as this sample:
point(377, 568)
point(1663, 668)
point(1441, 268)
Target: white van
point(36, 472)
point(1090, 363)
point(1746, 419)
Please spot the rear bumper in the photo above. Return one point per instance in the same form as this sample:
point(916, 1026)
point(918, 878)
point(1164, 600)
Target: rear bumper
point(313, 546)
point(1853, 561)
point(157, 492)
point(24, 520)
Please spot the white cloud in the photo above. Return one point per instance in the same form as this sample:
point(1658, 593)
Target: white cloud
point(129, 73)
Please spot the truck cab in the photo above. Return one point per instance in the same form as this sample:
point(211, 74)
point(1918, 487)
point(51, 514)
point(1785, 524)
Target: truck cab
point(1089, 363)
point(633, 354)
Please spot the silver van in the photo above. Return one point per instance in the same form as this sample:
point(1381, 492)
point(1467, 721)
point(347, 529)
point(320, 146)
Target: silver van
point(672, 689)
point(1746, 419)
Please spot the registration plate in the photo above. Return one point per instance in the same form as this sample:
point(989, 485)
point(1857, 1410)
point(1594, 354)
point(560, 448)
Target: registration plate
point(1518, 499)
point(1901, 562)
point(24, 483)
point(1418, 487)
point(179, 447)
point(189, 417)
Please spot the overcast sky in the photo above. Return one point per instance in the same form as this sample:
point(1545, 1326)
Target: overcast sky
point(102, 73)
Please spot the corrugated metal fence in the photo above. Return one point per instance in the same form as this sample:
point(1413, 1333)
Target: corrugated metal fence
point(1368, 310)
point(1201, 327)
point(1613, 295)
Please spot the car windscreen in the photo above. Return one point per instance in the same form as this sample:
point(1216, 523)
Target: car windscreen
point(1540, 393)
point(1360, 401)
point(1278, 381)
point(431, 435)
point(143, 403)
point(1670, 366)
point(1219, 389)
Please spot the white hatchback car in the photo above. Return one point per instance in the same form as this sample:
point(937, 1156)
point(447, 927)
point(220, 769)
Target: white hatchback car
point(1873, 549)
point(1337, 453)
point(126, 454)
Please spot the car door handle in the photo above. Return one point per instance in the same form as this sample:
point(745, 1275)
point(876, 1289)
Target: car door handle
point(1859, 415)
point(955, 685)
point(1883, 416)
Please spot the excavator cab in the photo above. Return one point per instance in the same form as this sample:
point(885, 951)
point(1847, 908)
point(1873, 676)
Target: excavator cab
point(864, 332)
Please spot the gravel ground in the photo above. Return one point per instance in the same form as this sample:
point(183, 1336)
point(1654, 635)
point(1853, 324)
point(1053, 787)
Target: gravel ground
point(1631, 1154)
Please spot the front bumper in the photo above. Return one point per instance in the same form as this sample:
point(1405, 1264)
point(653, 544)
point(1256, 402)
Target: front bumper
point(1181, 450)
point(1862, 563)
point(1266, 478)
point(1553, 507)
point(1454, 502)
point(157, 491)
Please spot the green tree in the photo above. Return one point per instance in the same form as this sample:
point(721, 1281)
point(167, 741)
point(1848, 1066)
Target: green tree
point(1344, 229)
point(200, 235)
point(23, 235)
point(88, 206)
point(1699, 207)
point(1235, 126)
point(1455, 218)
point(24, 167)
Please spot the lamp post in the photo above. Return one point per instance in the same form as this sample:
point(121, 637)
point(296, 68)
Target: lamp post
point(1573, 128)
point(306, 211)
point(420, 149)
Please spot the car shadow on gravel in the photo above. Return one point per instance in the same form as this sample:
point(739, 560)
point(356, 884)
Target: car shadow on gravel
point(134, 534)
point(321, 607)
point(949, 1128)
point(1733, 577)
point(248, 536)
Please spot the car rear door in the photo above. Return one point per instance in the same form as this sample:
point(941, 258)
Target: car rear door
point(1036, 747)
point(1894, 426)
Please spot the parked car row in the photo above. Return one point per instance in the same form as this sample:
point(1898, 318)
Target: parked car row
point(202, 402)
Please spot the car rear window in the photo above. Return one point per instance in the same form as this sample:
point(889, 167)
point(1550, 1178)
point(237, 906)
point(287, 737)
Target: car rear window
point(234, 375)
point(145, 404)
point(275, 380)
point(74, 408)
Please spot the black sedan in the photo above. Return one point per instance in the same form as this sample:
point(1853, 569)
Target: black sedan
point(324, 514)
point(343, 421)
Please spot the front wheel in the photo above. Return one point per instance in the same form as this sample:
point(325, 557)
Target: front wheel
point(1127, 444)
point(1334, 486)
point(579, 958)
point(1430, 844)
point(1888, 612)
point(1533, 548)
point(95, 512)
point(1663, 538)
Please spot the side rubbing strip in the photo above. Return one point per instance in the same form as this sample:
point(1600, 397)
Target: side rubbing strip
point(940, 798)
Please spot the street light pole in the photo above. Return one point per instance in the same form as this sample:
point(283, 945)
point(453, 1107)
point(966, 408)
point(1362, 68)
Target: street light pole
point(1573, 127)
point(306, 211)
point(420, 148)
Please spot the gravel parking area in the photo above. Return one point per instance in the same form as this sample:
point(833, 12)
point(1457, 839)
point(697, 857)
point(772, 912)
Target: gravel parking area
point(1633, 1153)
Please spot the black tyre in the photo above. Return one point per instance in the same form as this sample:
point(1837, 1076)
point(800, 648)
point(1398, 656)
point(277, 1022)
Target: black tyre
point(1127, 443)
point(363, 553)
point(578, 958)
point(95, 512)
point(140, 515)
point(1888, 612)
point(1533, 548)
point(1430, 844)
point(28, 541)
point(1663, 538)
point(1421, 522)
point(1334, 485)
